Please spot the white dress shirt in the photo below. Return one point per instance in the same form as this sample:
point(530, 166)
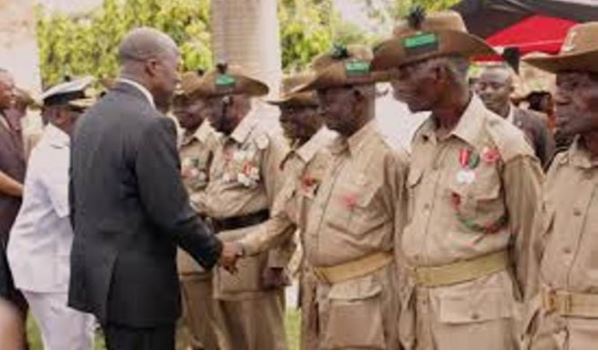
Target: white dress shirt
point(140, 87)
point(41, 237)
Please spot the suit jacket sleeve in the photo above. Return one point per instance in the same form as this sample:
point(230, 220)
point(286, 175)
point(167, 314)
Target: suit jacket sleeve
point(164, 197)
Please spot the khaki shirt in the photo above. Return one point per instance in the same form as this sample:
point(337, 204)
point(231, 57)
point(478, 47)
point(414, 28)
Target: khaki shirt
point(496, 197)
point(358, 207)
point(196, 153)
point(565, 242)
point(303, 171)
point(245, 175)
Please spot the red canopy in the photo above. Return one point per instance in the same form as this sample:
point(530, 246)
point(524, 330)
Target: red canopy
point(534, 33)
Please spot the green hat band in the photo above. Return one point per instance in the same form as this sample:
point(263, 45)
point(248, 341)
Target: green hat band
point(421, 43)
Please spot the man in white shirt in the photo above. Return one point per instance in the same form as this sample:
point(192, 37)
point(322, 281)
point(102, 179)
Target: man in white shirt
point(41, 238)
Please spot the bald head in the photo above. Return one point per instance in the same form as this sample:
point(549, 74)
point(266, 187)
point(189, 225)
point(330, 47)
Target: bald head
point(150, 58)
point(145, 43)
point(495, 86)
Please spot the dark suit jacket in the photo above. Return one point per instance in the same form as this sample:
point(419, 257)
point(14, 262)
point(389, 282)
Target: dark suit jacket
point(536, 130)
point(129, 213)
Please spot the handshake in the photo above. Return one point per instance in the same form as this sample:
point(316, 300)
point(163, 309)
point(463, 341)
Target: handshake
point(231, 252)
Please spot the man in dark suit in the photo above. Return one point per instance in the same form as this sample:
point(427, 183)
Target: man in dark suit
point(129, 207)
point(495, 86)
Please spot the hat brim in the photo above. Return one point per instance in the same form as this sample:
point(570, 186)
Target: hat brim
point(391, 53)
point(84, 103)
point(296, 99)
point(584, 61)
point(336, 77)
point(245, 85)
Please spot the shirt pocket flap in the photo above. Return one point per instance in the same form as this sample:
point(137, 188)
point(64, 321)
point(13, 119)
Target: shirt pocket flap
point(482, 306)
point(356, 289)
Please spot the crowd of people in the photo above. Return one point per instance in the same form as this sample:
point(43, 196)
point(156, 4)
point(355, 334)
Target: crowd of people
point(166, 211)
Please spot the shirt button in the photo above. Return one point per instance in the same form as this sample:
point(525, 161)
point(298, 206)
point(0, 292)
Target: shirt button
point(567, 250)
point(475, 316)
point(576, 212)
point(426, 207)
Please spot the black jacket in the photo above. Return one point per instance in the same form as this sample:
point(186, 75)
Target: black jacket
point(129, 211)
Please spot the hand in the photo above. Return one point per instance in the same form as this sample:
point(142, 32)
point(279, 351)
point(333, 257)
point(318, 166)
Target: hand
point(231, 252)
point(273, 278)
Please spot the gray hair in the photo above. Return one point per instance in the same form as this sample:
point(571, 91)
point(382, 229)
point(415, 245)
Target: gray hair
point(145, 43)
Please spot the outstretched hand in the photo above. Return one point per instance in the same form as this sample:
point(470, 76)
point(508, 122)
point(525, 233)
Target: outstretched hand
point(231, 252)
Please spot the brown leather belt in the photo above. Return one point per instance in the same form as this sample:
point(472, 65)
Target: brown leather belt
point(239, 222)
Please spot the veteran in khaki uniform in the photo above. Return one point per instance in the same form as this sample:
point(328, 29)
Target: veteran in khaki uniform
point(563, 305)
point(473, 185)
point(356, 210)
point(303, 127)
point(244, 179)
point(198, 328)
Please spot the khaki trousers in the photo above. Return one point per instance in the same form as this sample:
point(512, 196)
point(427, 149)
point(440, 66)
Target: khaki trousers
point(256, 323)
point(199, 326)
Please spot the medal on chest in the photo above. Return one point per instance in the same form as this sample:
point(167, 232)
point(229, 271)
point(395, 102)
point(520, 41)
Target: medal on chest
point(469, 161)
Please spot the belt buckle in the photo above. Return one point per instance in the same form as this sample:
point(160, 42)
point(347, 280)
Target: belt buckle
point(564, 302)
point(550, 301)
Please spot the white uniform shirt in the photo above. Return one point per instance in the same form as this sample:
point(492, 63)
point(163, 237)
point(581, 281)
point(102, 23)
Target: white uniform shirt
point(41, 238)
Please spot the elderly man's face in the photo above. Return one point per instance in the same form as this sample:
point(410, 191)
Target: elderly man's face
point(7, 90)
point(494, 87)
point(190, 112)
point(338, 107)
point(225, 113)
point(416, 85)
point(299, 122)
point(576, 103)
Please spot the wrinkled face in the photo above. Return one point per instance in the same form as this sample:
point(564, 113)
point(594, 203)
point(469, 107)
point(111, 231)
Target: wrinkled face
point(7, 90)
point(190, 112)
point(299, 122)
point(576, 102)
point(225, 113)
point(416, 85)
point(339, 108)
point(494, 88)
point(164, 75)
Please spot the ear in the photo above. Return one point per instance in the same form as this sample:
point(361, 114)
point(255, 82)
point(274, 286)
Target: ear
point(151, 67)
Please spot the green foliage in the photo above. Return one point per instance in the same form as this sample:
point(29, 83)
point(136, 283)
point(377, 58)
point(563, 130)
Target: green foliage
point(88, 44)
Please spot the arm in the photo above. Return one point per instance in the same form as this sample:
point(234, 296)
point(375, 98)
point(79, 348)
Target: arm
point(164, 197)
point(10, 186)
point(522, 177)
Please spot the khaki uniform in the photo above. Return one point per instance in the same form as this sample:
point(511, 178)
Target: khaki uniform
point(198, 328)
point(244, 179)
point(356, 214)
point(472, 199)
point(302, 173)
point(565, 304)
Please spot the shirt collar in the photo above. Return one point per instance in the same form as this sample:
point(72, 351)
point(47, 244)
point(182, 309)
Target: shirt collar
point(354, 142)
point(579, 155)
point(241, 133)
point(469, 126)
point(308, 150)
point(201, 133)
point(56, 137)
point(140, 87)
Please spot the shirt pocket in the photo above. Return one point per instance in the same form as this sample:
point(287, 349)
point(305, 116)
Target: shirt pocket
point(355, 317)
point(354, 210)
point(480, 199)
point(483, 305)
